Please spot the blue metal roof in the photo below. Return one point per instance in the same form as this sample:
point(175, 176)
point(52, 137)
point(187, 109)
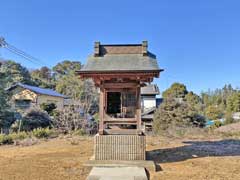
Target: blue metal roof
point(39, 90)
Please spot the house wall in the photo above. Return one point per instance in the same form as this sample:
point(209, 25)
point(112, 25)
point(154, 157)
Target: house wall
point(20, 94)
point(58, 101)
point(25, 94)
point(148, 102)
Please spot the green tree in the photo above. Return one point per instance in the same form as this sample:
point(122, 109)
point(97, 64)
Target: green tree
point(172, 113)
point(66, 67)
point(3, 95)
point(83, 92)
point(48, 107)
point(233, 102)
point(192, 98)
point(71, 86)
point(43, 77)
point(236, 103)
point(177, 90)
point(213, 112)
point(195, 101)
point(14, 72)
point(6, 116)
point(79, 90)
point(219, 98)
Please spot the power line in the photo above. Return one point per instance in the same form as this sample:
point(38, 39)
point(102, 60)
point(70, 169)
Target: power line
point(22, 55)
point(19, 52)
point(26, 54)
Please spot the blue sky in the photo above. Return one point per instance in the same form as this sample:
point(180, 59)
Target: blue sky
point(196, 42)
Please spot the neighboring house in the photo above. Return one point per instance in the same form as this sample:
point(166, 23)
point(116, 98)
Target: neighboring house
point(236, 116)
point(148, 96)
point(24, 96)
point(149, 104)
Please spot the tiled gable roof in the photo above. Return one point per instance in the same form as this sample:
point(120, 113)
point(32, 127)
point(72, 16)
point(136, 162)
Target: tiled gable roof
point(38, 90)
point(121, 57)
point(151, 89)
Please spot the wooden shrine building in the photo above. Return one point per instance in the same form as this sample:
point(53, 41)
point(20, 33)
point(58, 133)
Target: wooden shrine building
point(120, 70)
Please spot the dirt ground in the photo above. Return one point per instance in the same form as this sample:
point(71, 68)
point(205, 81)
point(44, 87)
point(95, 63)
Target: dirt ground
point(63, 158)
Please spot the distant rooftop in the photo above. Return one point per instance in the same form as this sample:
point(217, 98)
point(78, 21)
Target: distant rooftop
point(38, 90)
point(121, 57)
point(151, 89)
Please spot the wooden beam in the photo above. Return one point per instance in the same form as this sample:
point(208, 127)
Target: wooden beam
point(119, 119)
point(120, 131)
point(120, 123)
point(120, 85)
point(138, 109)
point(101, 111)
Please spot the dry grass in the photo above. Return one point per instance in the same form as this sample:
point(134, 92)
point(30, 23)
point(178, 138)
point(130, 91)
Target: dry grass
point(62, 159)
point(55, 159)
point(213, 159)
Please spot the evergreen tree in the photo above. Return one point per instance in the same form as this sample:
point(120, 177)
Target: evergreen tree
point(65, 68)
point(177, 90)
point(14, 73)
point(213, 112)
point(43, 77)
point(233, 102)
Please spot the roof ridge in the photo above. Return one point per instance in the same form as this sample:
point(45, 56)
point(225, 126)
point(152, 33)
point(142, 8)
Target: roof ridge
point(120, 44)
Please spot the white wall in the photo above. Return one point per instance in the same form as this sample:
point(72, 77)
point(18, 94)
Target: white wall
point(148, 102)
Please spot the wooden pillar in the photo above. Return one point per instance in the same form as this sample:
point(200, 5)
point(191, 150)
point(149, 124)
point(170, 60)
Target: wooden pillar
point(101, 110)
point(138, 110)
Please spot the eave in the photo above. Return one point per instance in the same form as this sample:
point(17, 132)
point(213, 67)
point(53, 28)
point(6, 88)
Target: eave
point(117, 73)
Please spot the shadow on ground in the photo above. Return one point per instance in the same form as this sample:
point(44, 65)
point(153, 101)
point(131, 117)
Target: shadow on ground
point(195, 149)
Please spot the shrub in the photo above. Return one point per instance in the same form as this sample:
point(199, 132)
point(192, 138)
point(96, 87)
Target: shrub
point(11, 138)
point(213, 112)
point(229, 118)
point(15, 126)
point(34, 118)
point(172, 113)
point(70, 119)
point(79, 132)
point(216, 124)
point(5, 139)
point(48, 107)
point(43, 132)
point(6, 119)
point(19, 136)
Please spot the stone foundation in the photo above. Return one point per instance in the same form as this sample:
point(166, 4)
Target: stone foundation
point(120, 147)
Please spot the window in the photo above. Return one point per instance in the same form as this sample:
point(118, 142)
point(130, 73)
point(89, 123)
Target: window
point(128, 104)
point(129, 99)
point(22, 103)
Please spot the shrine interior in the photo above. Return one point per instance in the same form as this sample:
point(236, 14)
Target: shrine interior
point(121, 104)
